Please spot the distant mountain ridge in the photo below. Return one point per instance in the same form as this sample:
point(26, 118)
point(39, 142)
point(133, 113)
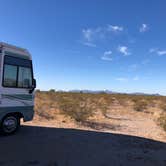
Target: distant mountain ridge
point(112, 92)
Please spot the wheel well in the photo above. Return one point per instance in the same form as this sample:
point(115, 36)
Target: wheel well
point(18, 114)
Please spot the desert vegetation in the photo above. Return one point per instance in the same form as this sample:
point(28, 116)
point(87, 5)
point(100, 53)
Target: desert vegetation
point(162, 120)
point(83, 107)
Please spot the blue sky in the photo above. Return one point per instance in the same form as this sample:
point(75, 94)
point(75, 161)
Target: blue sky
point(118, 45)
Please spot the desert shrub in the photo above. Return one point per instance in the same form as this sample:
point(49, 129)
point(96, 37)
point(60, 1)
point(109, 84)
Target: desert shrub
point(52, 91)
point(78, 107)
point(122, 101)
point(162, 120)
point(163, 106)
point(81, 106)
point(43, 111)
point(140, 105)
point(37, 91)
point(104, 102)
point(43, 105)
point(162, 99)
point(44, 114)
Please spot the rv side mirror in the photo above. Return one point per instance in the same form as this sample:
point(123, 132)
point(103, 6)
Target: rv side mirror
point(33, 86)
point(34, 83)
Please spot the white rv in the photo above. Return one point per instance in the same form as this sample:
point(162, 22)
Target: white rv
point(17, 86)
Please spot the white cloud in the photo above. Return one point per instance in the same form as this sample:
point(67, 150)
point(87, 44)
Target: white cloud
point(122, 79)
point(87, 33)
point(107, 52)
point(115, 28)
point(157, 51)
point(136, 78)
point(153, 50)
point(161, 52)
point(144, 28)
point(89, 44)
point(91, 34)
point(107, 56)
point(124, 50)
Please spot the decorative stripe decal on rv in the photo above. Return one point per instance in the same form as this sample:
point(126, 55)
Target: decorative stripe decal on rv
point(18, 96)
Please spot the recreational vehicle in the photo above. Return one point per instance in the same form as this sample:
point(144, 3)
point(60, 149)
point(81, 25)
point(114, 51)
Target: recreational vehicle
point(17, 86)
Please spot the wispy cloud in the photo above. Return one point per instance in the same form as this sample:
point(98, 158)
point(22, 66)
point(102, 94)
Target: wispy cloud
point(107, 56)
point(124, 50)
point(122, 79)
point(163, 52)
point(136, 78)
point(133, 67)
point(144, 28)
point(87, 34)
point(91, 34)
point(115, 28)
point(89, 44)
point(151, 50)
point(136, 67)
point(146, 61)
point(125, 79)
point(157, 51)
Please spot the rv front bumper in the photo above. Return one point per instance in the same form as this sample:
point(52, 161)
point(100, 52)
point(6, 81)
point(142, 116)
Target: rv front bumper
point(27, 112)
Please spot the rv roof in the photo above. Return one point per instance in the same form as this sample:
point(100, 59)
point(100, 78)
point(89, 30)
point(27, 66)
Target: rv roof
point(2, 44)
point(15, 51)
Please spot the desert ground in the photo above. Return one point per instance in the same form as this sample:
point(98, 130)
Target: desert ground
point(118, 134)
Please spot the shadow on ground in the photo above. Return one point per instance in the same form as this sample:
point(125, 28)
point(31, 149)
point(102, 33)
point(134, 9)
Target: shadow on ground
point(70, 147)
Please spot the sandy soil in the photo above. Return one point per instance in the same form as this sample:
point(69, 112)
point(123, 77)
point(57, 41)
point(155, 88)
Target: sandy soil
point(121, 139)
point(118, 121)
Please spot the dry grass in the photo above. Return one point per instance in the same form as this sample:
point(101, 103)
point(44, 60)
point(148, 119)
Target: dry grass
point(162, 120)
point(82, 107)
point(140, 105)
point(163, 107)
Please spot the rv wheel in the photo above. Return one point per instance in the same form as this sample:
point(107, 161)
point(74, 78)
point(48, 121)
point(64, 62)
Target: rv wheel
point(10, 124)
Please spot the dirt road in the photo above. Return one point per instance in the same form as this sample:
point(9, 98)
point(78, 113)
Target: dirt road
point(70, 147)
point(122, 139)
point(137, 124)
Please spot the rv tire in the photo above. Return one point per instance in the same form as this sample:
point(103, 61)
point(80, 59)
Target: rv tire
point(10, 124)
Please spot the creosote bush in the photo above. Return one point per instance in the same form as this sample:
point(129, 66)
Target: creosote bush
point(140, 105)
point(82, 106)
point(163, 107)
point(162, 120)
point(78, 106)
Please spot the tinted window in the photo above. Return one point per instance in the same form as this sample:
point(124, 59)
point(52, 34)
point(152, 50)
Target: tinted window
point(17, 72)
point(24, 77)
point(10, 75)
point(17, 61)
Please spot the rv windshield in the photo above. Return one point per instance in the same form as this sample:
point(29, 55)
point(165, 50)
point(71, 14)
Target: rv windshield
point(17, 72)
point(24, 77)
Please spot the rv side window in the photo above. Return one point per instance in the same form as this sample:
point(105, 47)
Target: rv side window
point(10, 76)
